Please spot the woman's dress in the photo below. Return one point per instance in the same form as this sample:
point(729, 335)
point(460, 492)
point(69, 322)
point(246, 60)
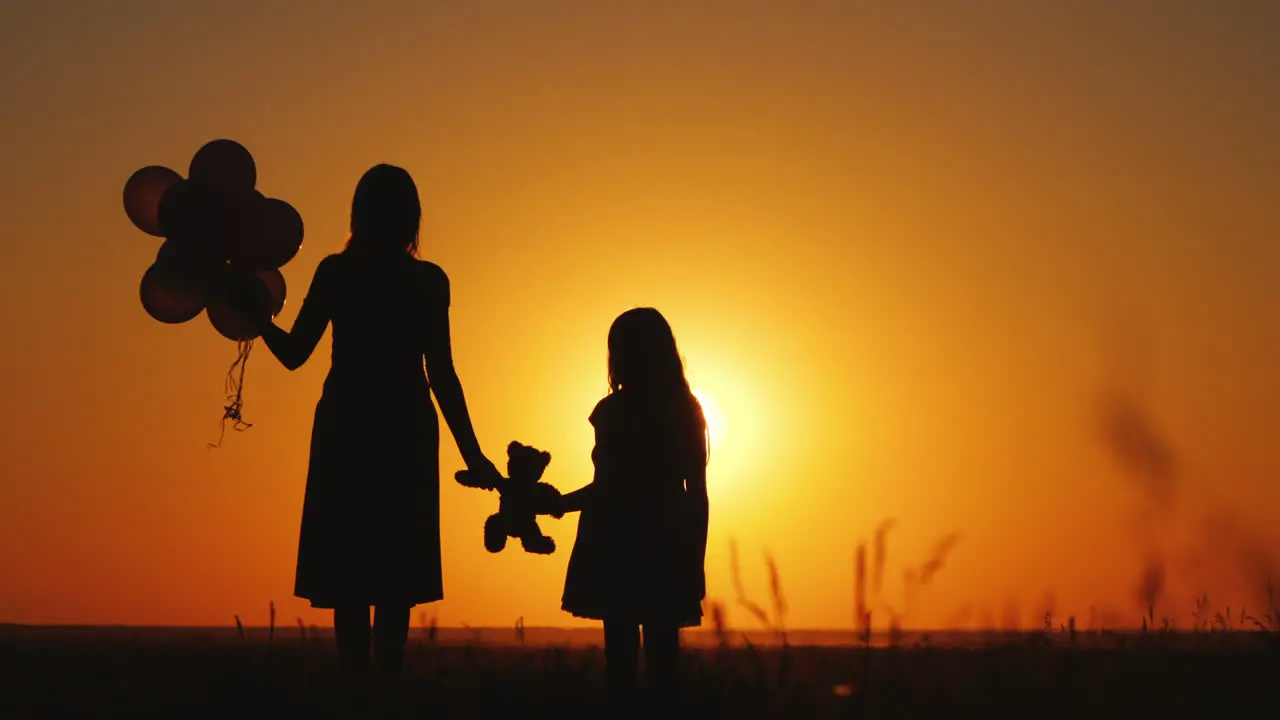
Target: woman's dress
point(371, 516)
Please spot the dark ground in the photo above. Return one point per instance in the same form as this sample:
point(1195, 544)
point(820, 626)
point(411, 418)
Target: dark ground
point(68, 674)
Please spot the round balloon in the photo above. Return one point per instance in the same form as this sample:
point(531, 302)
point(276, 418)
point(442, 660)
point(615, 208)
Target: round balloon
point(169, 295)
point(197, 219)
point(231, 292)
point(179, 260)
point(282, 232)
point(225, 166)
point(142, 193)
point(174, 255)
point(173, 211)
point(244, 236)
point(275, 285)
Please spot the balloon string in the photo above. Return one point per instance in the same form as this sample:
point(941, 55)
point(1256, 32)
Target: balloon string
point(234, 387)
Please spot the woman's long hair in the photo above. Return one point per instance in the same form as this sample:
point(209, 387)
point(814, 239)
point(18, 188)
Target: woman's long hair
point(643, 357)
point(385, 213)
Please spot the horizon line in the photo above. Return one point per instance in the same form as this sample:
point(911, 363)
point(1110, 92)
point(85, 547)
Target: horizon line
point(565, 628)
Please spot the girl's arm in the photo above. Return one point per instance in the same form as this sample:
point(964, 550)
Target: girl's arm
point(293, 347)
point(582, 497)
point(578, 499)
point(696, 484)
point(696, 492)
point(443, 378)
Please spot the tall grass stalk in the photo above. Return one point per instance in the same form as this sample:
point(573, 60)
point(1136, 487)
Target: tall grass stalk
point(736, 576)
point(779, 599)
point(861, 617)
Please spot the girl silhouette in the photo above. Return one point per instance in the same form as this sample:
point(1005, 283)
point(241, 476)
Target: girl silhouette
point(642, 536)
point(371, 515)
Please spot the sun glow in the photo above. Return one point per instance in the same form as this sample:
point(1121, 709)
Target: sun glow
point(717, 423)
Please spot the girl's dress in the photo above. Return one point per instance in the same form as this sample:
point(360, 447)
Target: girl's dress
point(371, 516)
point(638, 556)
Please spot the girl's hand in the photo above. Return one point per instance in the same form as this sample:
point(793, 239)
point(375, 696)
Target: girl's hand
point(573, 501)
point(547, 500)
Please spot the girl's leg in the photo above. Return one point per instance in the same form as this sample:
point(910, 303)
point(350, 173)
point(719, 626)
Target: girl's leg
point(662, 657)
point(621, 655)
point(390, 631)
point(351, 628)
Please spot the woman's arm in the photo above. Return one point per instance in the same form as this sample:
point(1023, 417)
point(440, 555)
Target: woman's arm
point(293, 347)
point(444, 381)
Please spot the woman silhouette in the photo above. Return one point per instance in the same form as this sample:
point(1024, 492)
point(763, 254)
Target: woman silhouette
point(642, 537)
point(371, 516)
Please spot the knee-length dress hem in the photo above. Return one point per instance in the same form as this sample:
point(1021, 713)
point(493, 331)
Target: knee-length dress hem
point(370, 531)
point(634, 557)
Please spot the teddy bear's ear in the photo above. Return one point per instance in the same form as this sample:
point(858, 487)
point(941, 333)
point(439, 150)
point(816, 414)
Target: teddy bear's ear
point(513, 448)
point(546, 457)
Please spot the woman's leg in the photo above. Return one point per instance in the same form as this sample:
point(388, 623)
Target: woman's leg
point(621, 655)
point(390, 632)
point(662, 657)
point(351, 628)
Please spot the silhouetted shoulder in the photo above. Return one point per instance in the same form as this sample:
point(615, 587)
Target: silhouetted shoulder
point(323, 284)
point(699, 415)
point(331, 264)
point(606, 410)
point(435, 282)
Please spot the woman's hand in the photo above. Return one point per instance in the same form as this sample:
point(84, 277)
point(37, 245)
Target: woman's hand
point(484, 471)
point(252, 303)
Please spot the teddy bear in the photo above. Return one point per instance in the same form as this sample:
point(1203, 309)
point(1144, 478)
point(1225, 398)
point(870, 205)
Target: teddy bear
point(522, 497)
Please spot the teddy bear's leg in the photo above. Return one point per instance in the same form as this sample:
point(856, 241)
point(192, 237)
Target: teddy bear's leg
point(495, 534)
point(535, 542)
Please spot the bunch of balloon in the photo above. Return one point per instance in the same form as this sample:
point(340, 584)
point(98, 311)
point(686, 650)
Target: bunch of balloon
point(224, 245)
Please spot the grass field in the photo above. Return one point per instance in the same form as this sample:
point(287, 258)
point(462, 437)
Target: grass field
point(135, 673)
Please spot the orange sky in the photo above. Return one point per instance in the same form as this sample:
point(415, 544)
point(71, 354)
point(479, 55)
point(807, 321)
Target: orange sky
point(902, 249)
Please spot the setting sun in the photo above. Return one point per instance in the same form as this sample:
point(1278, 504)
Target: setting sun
point(717, 425)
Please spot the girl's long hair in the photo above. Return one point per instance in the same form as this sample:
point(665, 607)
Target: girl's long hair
point(385, 213)
point(643, 357)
